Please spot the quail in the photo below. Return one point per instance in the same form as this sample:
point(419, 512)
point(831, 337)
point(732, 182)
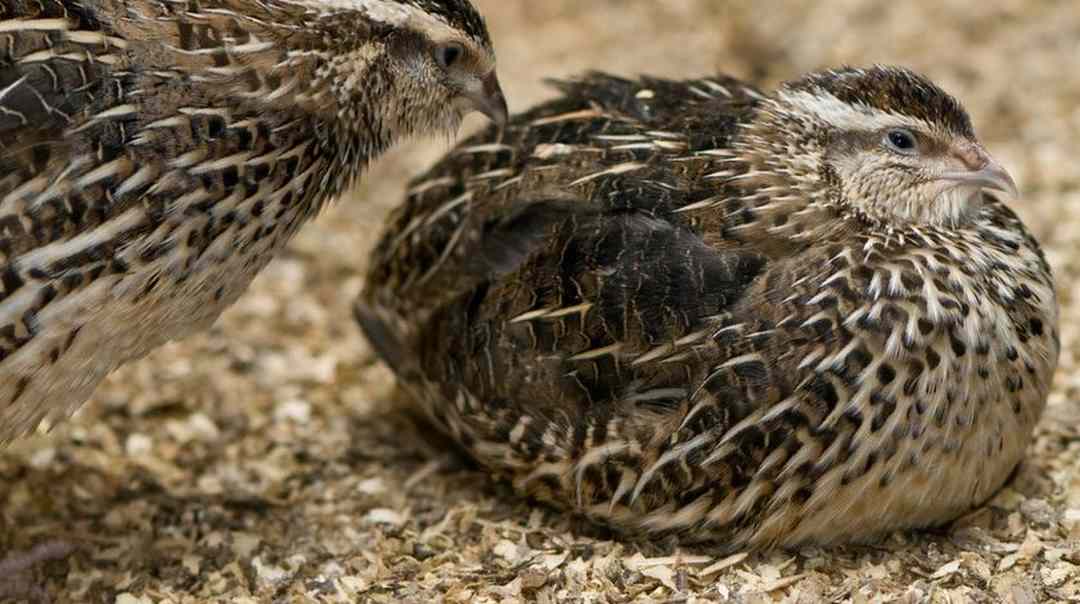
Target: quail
point(699, 310)
point(158, 153)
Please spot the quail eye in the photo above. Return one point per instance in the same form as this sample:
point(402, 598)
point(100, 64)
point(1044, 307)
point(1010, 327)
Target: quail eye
point(447, 55)
point(901, 141)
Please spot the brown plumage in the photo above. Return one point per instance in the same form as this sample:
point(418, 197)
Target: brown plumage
point(698, 309)
point(157, 154)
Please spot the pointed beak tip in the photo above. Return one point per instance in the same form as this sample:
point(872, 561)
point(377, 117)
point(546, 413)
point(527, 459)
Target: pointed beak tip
point(500, 115)
point(1013, 189)
point(491, 102)
point(499, 112)
point(996, 178)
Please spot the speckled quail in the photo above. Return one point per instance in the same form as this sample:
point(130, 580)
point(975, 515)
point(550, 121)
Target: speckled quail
point(696, 309)
point(157, 154)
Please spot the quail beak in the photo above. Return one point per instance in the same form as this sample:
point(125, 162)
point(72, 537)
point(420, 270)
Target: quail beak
point(490, 101)
point(984, 173)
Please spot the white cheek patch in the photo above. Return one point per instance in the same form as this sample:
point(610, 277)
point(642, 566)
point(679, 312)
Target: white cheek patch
point(936, 203)
point(848, 116)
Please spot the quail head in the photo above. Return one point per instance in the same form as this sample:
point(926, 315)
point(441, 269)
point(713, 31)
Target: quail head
point(694, 308)
point(157, 154)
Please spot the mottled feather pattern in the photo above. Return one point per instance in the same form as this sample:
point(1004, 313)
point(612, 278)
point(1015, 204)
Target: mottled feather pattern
point(157, 155)
point(624, 306)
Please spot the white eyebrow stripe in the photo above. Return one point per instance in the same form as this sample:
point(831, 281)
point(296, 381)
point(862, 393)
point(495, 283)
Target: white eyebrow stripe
point(390, 13)
point(848, 116)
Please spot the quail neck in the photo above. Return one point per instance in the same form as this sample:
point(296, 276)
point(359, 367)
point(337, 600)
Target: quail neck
point(695, 308)
point(159, 154)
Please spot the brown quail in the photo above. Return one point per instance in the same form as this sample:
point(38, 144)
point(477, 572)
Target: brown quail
point(157, 154)
point(703, 310)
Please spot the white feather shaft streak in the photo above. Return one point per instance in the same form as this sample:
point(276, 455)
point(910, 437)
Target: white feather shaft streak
point(141, 178)
point(50, 54)
point(116, 167)
point(612, 171)
point(47, 255)
point(87, 37)
point(22, 25)
point(247, 48)
point(236, 160)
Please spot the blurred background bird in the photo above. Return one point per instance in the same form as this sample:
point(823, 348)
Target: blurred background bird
point(694, 308)
point(157, 155)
